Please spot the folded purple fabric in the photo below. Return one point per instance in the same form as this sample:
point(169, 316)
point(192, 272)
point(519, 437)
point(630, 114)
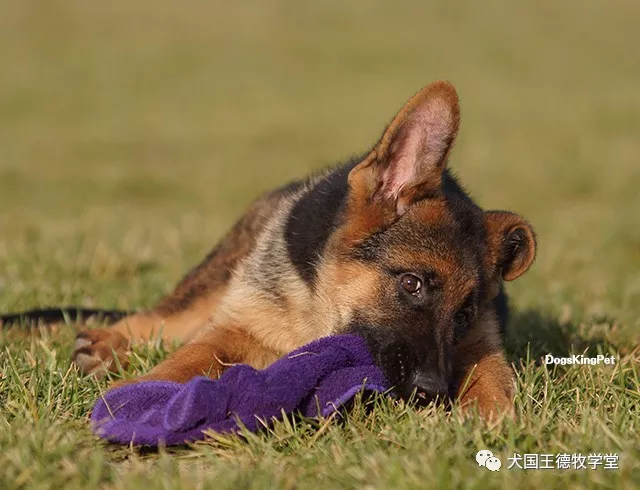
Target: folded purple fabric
point(315, 380)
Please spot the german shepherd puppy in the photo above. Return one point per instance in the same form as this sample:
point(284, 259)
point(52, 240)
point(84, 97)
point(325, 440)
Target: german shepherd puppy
point(387, 246)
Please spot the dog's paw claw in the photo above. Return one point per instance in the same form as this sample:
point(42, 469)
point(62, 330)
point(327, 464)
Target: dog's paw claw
point(94, 351)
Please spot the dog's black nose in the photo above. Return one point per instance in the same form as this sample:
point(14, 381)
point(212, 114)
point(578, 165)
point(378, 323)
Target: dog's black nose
point(429, 387)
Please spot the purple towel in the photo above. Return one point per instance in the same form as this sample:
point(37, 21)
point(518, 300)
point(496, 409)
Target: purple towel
point(314, 380)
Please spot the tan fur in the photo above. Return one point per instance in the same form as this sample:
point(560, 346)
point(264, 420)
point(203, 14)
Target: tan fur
point(363, 215)
point(349, 284)
point(179, 325)
point(488, 382)
point(210, 355)
point(247, 303)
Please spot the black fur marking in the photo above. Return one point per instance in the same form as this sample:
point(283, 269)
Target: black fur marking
point(314, 218)
point(55, 315)
point(515, 245)
point(501, 304)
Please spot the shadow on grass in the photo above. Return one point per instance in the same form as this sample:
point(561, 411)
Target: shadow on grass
point(534, 334)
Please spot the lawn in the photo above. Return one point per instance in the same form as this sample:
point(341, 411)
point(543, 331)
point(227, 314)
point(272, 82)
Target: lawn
point(132, 134)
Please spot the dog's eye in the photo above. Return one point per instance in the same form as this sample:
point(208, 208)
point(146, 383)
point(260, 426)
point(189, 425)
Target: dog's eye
point(411, 283)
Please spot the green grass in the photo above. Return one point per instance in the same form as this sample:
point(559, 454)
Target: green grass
point(132, 134)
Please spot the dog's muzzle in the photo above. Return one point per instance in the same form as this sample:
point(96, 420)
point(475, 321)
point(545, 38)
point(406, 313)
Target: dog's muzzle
point(429, 387)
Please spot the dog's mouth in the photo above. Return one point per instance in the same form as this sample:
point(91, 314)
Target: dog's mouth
point(422, 387)
point(422, 396)
point(400, 366)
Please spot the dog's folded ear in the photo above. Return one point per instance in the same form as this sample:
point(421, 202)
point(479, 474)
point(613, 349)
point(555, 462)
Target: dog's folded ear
point(512, 243)
point(407, 163)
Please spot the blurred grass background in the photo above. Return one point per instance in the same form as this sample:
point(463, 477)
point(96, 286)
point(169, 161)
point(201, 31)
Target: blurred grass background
point(132, 134)
point(140, 130)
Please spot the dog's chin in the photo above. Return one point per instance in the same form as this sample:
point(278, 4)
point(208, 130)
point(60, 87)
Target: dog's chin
point(398, 363)
point(423, 390)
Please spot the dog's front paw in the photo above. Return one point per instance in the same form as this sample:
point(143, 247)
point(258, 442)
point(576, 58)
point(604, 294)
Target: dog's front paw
point(491, 400)
point(489, 407)
point(96, 351)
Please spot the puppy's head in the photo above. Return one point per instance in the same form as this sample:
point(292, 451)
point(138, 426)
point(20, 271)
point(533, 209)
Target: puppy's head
point(417, 262)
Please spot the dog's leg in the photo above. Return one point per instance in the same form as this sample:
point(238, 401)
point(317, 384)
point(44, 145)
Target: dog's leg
point(181, 314)
point(94, 349)
point(210, 354)
point(485, 379)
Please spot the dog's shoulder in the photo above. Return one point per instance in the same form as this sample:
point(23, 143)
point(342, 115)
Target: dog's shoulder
point(315, 216)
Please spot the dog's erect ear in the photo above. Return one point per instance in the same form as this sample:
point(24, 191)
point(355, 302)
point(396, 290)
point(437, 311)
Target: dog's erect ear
point(407, 163)
point(512, 243)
